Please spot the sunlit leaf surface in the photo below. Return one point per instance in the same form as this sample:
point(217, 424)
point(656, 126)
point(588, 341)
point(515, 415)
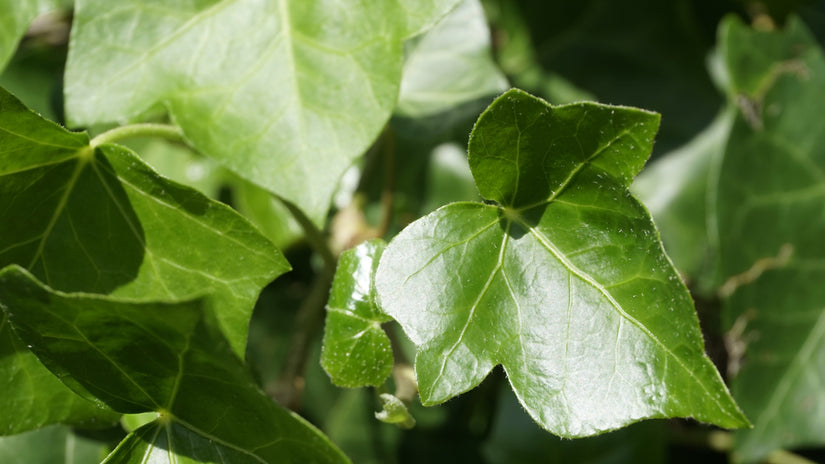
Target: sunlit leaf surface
point(560, 277)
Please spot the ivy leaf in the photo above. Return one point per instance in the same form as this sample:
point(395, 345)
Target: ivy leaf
point(15, 18)
point(101, 221)
point(33, 397)
point(116, 227)
point(285, 93)
point(450, 64)
point(770, 196)
point(171, 358)
point(356, 350)
point(562, 280)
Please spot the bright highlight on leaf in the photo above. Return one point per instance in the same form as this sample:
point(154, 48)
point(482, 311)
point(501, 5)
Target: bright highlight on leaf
point(170, 358)
point(563, 281)
point(356, 351)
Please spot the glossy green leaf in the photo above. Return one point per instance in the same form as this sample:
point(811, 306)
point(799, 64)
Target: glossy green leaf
point(171, 358)
point(286, 93)
point(770, 195)
point(450, 64)
point(560, 278)
point(356, 351)
point(15, 18)
point(50, 445)
point(102, 221)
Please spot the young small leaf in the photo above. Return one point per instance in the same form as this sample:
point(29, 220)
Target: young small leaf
point(15, 18)
point(356, 350)
point(563, 282)
point(171, 358)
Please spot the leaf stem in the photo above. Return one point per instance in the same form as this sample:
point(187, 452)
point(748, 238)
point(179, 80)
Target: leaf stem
point(167, 131)
point(313, 234)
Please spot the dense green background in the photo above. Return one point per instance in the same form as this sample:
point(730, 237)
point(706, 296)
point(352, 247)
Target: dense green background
point(736, 188)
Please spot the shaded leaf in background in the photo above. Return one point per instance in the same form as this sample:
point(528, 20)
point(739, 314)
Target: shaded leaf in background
point(449, 65)
point(51, 445)
point(675, 189)
point(285, 93)
point(15, 18)
point(171, 358)
point(515, 438)
point(645, 53)
point(563, 282)
point(771, 193)
point(356, 351)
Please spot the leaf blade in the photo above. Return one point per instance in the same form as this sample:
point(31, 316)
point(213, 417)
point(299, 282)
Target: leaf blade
point(538, 283)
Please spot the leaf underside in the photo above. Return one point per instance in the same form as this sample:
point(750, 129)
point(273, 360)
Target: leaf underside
point(563, 281)
point(285, 93)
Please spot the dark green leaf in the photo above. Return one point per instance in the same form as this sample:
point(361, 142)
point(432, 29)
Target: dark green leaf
point(563, 282)
point(33, 397)
point(171, 358)
point(357, 351)
point(770, 202)
point(100, 220)
point(285, 93)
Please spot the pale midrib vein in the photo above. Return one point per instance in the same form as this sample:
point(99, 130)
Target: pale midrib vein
point(37, 166)
point(217, 440)
point(181, 361)
point(589, 280)
point(348, 313)
point(781, 391)
point(151, 446)
point(286, 30)
point(61, 205)
point(481, 294)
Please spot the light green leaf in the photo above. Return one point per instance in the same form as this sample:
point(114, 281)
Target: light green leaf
point(563, 281)
point(286, 93)
point(267, 212)
point(450, 64)
point(771, 191)
point(421, 15)
point(394, 411)
point(356, 350)
point(677, 189)
point(15, 18)
point(50, 445)
point(171, 358)
point(101, 221)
